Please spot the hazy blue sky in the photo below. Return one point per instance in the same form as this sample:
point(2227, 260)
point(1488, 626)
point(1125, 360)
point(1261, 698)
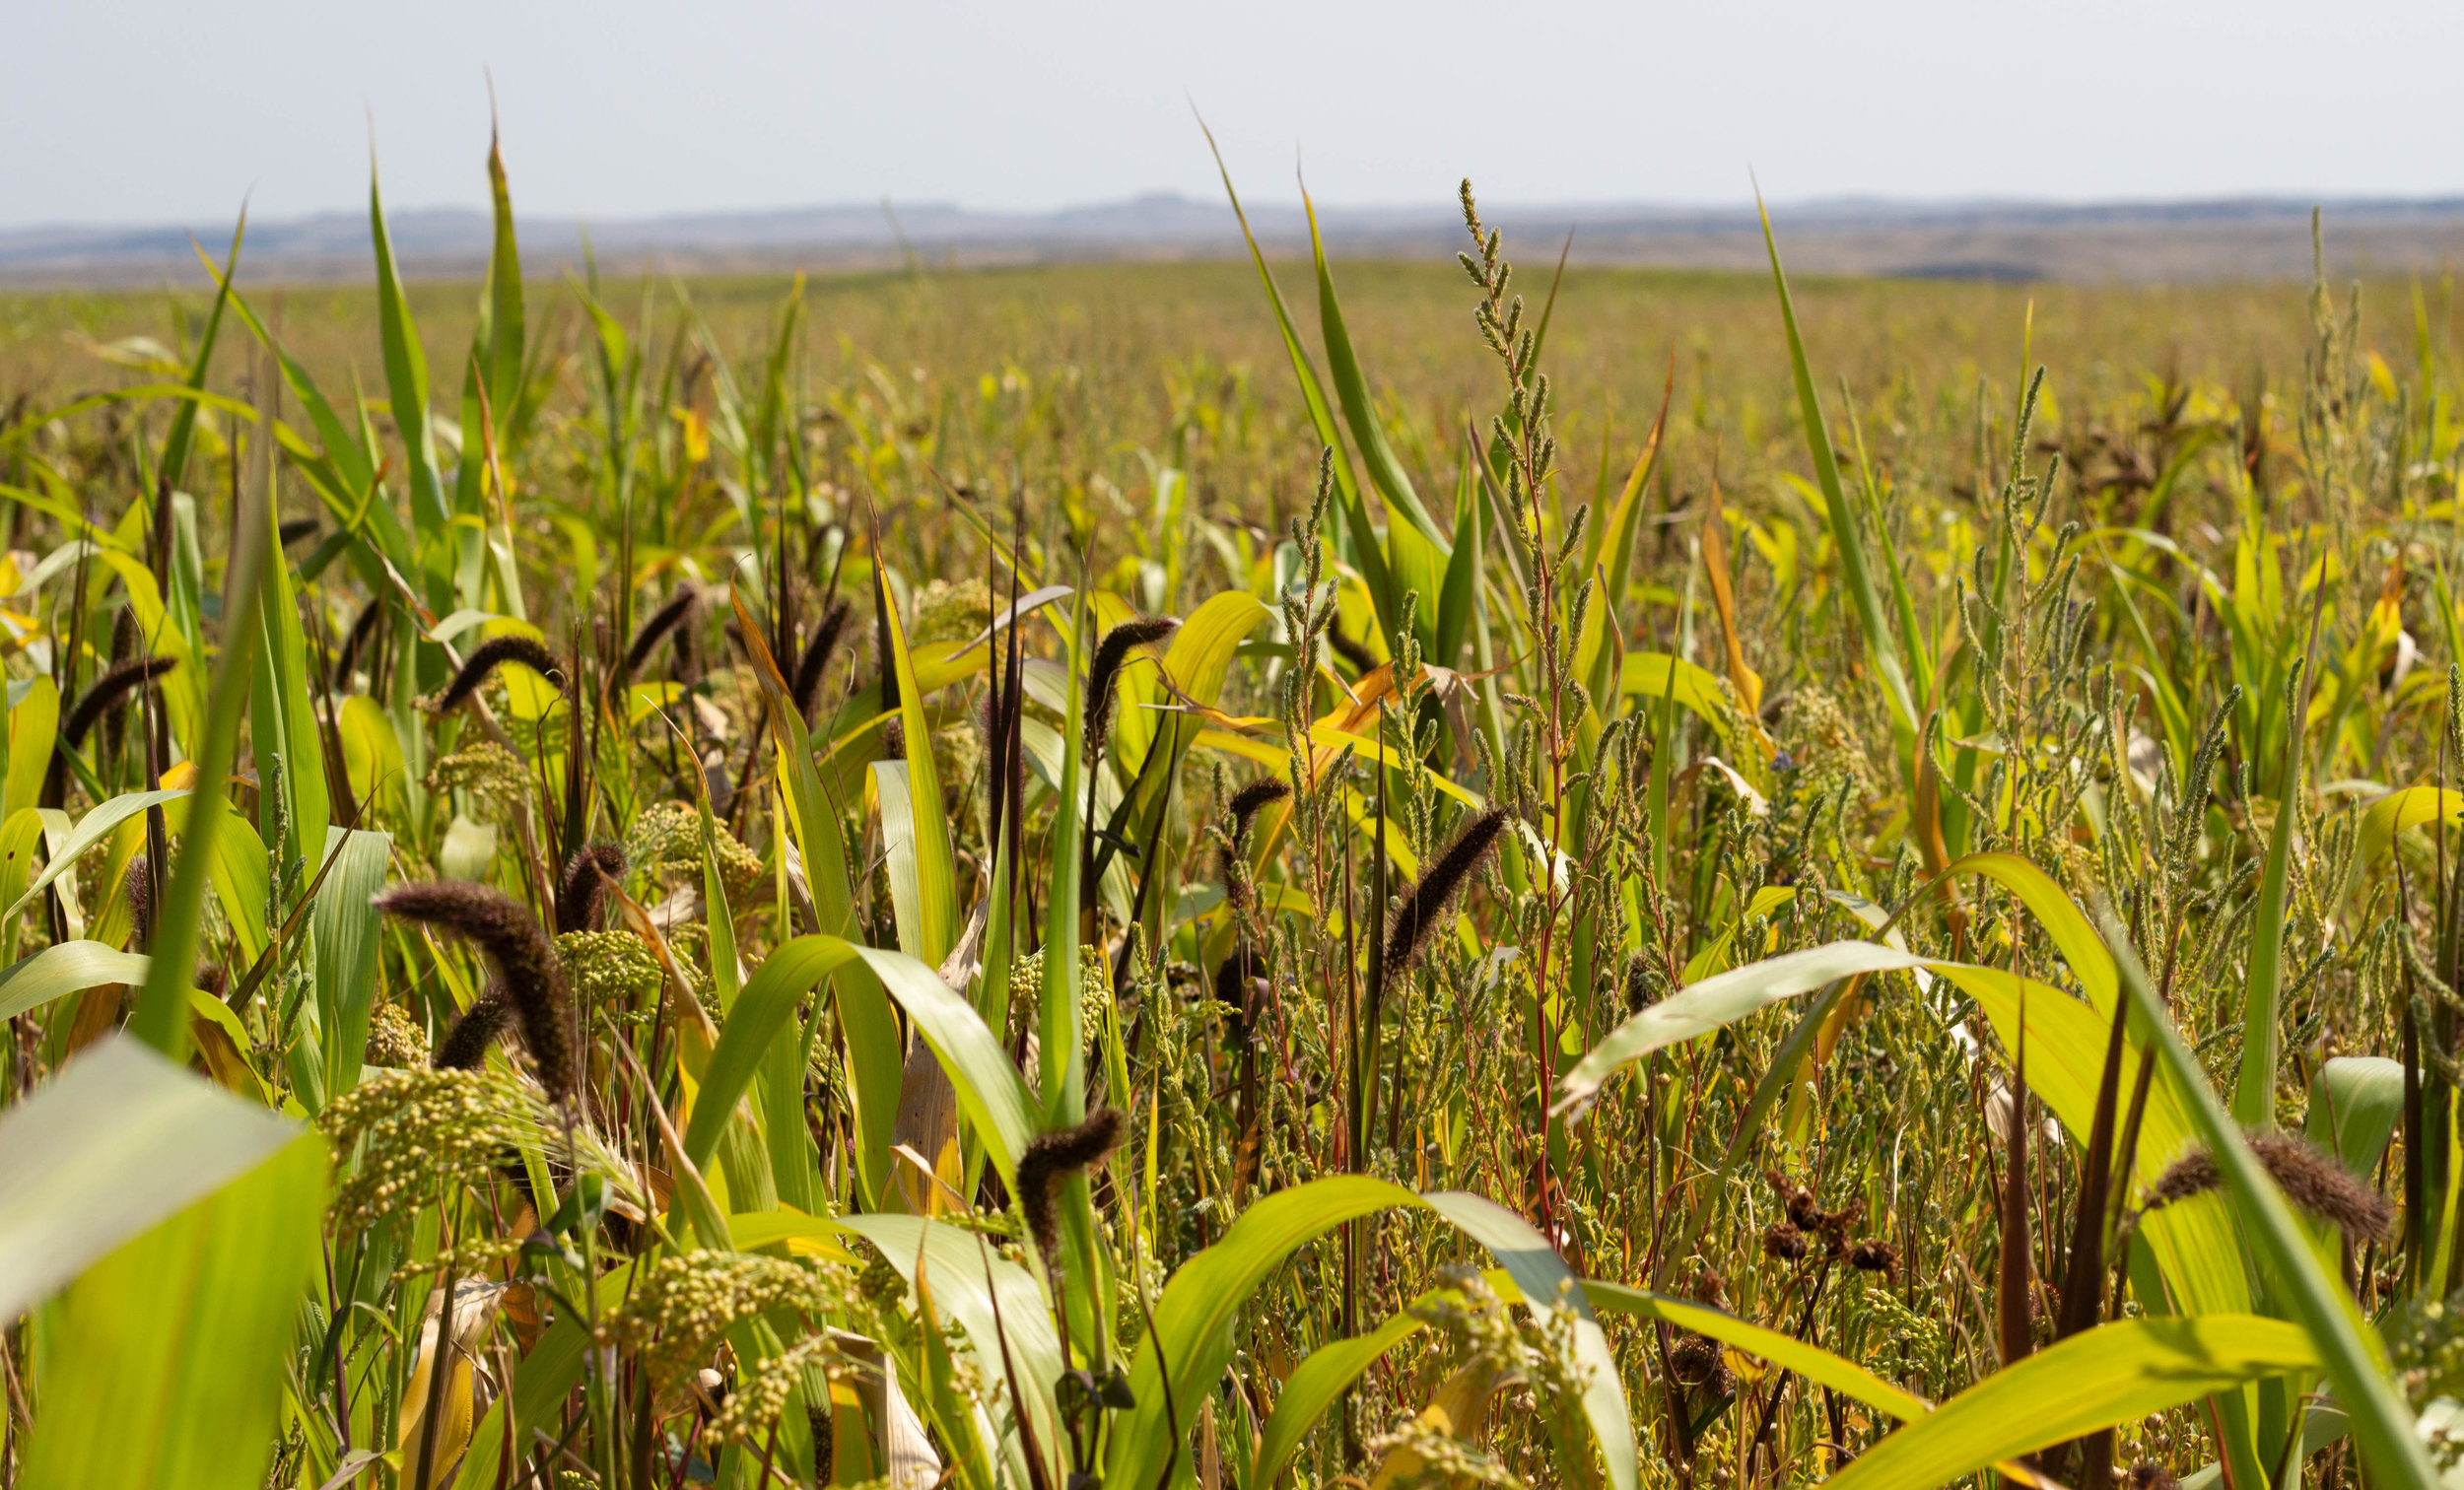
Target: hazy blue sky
point(170, 111)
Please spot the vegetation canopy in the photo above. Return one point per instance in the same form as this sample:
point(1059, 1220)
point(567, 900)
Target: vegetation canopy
point(1044, 880)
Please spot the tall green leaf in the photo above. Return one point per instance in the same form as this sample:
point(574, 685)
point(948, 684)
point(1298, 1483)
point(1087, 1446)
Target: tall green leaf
point(1845, 536)
point(406, 377)
point(172, 1350)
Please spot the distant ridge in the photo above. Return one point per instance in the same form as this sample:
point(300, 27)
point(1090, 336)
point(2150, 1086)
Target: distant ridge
point(2256, 237)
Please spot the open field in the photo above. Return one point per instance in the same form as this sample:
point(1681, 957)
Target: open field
point(1022, 879)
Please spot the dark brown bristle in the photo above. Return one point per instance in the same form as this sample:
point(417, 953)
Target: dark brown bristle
point(653, 631)
point(137, 884)
point(214, 980)
point(296, 530)
point(1352, 652)
point(1424, 907)
point(1253, 798)
point(1236, 989)
point(583, 888)
point(524, 958)
point(1101, 689)
point(355, 640)
point(1051, 1158)
point(529, 652)
point(816, 662)
point(1246, 805)
point(2309, 1177)
point(1876, 1255)
point(465, 1046)
point(110, 691)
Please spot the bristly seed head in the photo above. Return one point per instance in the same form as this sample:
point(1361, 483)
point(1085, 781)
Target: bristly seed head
point(1876, 1255)
point(109, 692)
point(825, 641)
point(524, 958)
point(1102, 679)
point(583, 887)
point(655, 631)
point(2310, 1179)
point(138, 884)
point(1245, 806)
point(529, 652)
point(1425, 906)
point(465, 1046)
point(1236, 989)
point(1051, 1158)
point(1253, 798)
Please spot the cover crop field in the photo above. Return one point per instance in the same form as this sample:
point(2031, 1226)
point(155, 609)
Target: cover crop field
point(1229, 875)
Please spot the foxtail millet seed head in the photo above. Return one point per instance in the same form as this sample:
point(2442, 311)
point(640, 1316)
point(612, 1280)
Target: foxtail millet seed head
point(109, 692)
point(1103, 678)
point(2309, 1177)
point(491, 655)
point(581, 891)
point(524, 958)
point(1051, 1158)
point(1425, 905)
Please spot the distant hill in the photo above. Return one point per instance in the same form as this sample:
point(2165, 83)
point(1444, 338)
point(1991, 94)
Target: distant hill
point(2146, 241)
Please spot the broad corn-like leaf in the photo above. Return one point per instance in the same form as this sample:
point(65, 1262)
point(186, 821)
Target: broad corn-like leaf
point(2112, 1374)
point(172, 1350)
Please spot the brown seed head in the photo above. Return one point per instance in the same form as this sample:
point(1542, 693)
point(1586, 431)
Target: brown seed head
point(524, 958)
point(653, 631)
point(1051, 1158)
point(109, 692)
point(465, 1046)
point(1102, 679)
point(2310, 1179)
point(1425, 905)
point(138, 884)
point(492, 654)
point(825, 641)
point(1876, 1255)
point(583, 888)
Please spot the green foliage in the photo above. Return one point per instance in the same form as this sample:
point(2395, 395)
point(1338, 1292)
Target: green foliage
point(1639, 888)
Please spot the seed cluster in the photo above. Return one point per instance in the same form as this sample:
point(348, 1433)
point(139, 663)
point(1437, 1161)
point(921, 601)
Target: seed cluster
point(686, 1302)
point(667, 837)
point(608, 966)
point(485, 769)
point(408, 1134)
point(393, 1039)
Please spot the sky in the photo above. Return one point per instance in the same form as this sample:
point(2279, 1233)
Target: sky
point(167, 111)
